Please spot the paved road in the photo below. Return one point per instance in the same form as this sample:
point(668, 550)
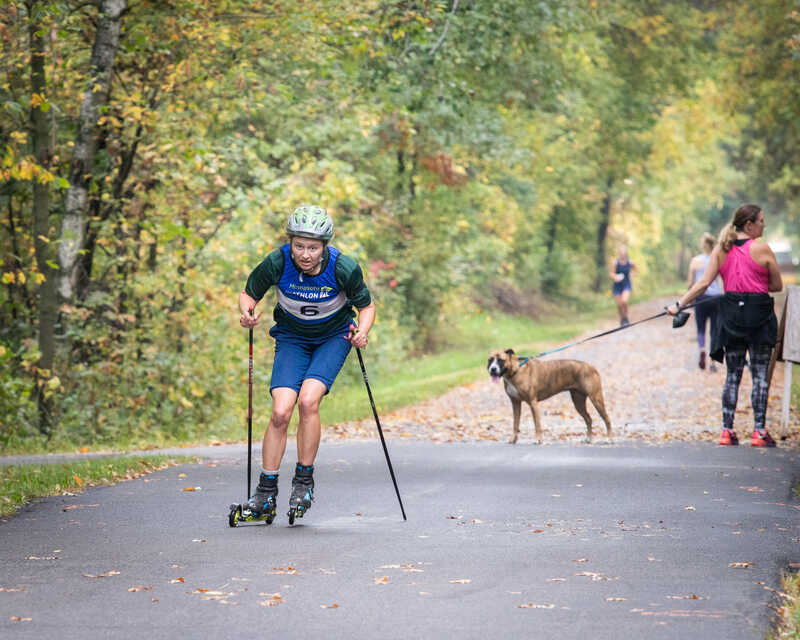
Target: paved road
point(555, 541)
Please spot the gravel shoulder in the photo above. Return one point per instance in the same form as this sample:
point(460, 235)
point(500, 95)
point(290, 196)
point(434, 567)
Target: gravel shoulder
point(654, 392)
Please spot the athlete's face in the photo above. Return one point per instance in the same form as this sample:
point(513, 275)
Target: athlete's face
point(755, 229)
point(307, 254)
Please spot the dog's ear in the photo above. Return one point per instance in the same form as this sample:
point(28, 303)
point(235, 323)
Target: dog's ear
point(510, 352)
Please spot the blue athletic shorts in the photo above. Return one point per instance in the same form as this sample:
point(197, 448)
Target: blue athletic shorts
point(298, 358)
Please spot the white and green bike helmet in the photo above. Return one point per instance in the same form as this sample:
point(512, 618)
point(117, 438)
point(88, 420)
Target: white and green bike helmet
point(310, 221)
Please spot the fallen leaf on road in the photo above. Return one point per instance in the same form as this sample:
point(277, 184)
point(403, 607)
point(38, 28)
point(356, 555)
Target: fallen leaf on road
point(176, 566)
point(18, 619)
point(382, 580)
point(181, 475)
point(274, 599)
point(556, 580)
point(329, 606)
point(753, 489)
point(281, 571)
point(531, 605)
point(741, 565)
point(11, 589)
point(41, 558)
point(173, 581)
point(198, 540)
point(140, 588)
point(612, 599)
point(461, 581)
point(581, 560)
point(694, 596)
point(192, 489)
point(594, 576)
point(101, 575)
point(690, 508)
point(79, 506)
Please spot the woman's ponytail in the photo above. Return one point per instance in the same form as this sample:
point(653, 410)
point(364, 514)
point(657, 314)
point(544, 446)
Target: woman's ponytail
point(726, 237)
point(744, 214)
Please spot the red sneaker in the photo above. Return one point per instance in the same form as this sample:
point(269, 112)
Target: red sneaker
point(728, 438)
point(761, 439)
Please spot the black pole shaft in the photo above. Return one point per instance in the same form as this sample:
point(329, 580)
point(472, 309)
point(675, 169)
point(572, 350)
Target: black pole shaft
point(380, 431)
point(250, 414)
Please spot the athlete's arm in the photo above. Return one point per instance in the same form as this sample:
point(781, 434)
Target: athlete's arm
point(366, 318)
point(259, 281)
point(693, 266)
point(762, 254)
point(246, 306)
point(702, 284)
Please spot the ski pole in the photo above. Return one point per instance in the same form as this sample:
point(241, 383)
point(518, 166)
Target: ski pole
point(250, 412)
point(380, 431)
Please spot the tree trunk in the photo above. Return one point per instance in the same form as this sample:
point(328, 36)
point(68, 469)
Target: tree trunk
point(73, 228)
point(549, 282)
point(602, 234)
point(43, 153)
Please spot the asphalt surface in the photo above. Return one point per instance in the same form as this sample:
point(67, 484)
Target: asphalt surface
point(554, 541)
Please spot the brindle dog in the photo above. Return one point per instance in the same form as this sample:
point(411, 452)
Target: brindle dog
point(538, 380)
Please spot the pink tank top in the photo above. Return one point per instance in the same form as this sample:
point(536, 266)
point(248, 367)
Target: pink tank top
point(742, 274)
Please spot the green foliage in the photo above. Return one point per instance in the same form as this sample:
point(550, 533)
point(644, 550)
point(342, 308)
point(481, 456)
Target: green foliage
point(472, 155)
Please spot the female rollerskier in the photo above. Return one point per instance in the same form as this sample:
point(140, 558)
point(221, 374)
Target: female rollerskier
point(318, 288)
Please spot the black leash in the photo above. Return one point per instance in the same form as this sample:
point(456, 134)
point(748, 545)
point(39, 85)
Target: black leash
point(681, 320)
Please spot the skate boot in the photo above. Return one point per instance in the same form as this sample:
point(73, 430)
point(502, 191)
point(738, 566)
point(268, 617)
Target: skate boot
point(263, 502)
point(302, 491)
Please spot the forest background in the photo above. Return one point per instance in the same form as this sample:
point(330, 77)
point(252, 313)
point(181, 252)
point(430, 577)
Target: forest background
point(479, 158)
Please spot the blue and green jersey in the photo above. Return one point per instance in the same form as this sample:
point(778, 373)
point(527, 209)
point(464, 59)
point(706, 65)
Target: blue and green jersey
point(311, 305)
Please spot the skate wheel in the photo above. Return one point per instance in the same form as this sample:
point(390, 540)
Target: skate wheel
point(234, 515)
point(291, 515)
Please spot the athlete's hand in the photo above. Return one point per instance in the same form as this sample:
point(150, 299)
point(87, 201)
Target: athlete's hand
point(248, 320)
point(356, 338)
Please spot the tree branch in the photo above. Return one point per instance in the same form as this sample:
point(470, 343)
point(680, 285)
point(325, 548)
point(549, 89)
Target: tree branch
point(444, 32)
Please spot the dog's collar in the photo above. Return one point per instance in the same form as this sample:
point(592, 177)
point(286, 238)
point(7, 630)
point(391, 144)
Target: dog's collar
point(522, 360)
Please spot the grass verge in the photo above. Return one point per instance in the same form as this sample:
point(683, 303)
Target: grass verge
point(22, 483)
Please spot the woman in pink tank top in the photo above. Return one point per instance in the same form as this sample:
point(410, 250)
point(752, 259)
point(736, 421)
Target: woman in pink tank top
point(747, 315)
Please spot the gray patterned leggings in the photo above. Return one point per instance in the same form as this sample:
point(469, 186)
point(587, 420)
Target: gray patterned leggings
point(759, 362)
